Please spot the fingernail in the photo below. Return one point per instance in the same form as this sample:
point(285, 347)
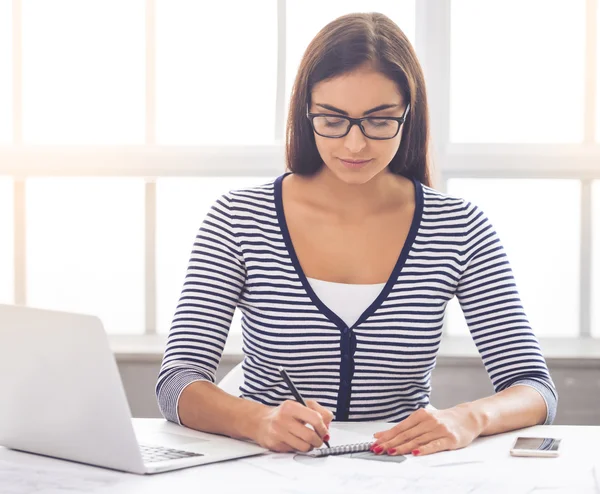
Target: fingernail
point(326, 438)
point(378, 449)
point(415, 452)
point(391, 451)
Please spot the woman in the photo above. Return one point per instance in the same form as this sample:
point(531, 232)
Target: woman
point(343, 268)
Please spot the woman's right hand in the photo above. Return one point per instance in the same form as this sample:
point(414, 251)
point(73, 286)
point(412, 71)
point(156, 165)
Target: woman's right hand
point(287, 427)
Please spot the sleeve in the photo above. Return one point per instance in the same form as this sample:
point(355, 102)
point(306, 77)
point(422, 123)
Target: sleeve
point(494, 313)
point(211, 290)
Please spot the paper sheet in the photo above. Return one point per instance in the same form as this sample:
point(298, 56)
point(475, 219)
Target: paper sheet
point(17, 479)
point(450, 472)
point(341, 436)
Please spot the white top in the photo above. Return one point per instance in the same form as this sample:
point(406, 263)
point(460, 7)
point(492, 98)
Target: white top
point(345, 300)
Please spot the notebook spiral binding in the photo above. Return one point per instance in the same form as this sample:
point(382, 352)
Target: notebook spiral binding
point(342, 450)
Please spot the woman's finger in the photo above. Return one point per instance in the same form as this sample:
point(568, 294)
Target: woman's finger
point(325, 413)
point(435, 446)
point(306, 415)
point(415, 444)
point(407, 437)
point(306, 434)
point(408, 423)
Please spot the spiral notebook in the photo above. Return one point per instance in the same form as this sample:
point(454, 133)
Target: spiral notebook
point(353, 445)
point(341, 450)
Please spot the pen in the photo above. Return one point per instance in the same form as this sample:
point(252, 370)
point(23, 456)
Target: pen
point(294, 391)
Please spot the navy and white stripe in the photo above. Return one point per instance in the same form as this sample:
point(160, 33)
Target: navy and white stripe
point(378, 369)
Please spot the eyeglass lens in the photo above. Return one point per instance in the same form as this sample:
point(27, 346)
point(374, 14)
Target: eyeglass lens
point(332, 126)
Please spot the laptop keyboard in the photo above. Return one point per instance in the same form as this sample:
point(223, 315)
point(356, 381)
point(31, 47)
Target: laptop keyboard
point(152, 454)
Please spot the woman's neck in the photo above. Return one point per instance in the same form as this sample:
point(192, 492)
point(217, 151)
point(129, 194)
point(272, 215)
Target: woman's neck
point(382, 192)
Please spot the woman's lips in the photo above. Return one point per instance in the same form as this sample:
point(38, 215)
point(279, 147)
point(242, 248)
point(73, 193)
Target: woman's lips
point(354, 164)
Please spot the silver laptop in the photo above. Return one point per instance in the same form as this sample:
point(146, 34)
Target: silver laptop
point(62, 396)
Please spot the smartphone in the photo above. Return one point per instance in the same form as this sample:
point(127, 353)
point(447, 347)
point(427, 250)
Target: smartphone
point(545, 447)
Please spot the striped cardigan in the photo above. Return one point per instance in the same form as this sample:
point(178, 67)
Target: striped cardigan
point(380, 367)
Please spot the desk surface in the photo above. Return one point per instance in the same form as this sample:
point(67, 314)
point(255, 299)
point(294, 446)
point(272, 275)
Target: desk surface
point(483, 467)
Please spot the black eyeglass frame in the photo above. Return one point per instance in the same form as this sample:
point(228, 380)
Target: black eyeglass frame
point(358, 121)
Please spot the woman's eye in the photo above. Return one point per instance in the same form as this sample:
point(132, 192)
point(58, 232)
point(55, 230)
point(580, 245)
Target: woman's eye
point(334, 122)
point(378, 123)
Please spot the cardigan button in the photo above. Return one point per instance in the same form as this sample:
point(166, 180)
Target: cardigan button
point(345, 330)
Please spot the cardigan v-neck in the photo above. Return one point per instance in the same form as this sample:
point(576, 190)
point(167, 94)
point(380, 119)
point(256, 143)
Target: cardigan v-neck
point(402, 255)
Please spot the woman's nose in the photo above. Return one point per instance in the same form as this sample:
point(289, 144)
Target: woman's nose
point(355, 140)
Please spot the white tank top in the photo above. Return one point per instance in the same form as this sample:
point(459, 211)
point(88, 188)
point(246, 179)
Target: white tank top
point(346, 300)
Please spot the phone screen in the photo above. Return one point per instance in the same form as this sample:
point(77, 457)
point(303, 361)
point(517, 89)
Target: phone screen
point(537, 443)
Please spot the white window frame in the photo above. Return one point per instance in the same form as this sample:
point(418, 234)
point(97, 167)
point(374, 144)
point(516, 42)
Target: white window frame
point(451, 160)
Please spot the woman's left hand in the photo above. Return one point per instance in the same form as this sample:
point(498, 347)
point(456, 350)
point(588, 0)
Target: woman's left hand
point(428, 431)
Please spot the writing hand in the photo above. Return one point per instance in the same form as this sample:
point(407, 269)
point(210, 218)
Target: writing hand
point(294, 427)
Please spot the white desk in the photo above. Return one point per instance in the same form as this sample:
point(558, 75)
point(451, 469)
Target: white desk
point(483, 467)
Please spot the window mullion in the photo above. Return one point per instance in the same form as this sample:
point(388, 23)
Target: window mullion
point(20, 273)
point(150, 72)
point(281, 69)
point(433, 48)
point(150, 257)
point(20, 262)
point(591, 60)
point(585, 262)
point(150, 324)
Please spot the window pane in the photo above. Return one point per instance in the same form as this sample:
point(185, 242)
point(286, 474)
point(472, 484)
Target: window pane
point(85, 248)
point(598, 74)
point(216, 72)
point(538, 222)
point(187, 200)
point(517, 71)
point(6, 242)
point(5, 71)
point(595, 298)
point(305, 18)
point(84, 72)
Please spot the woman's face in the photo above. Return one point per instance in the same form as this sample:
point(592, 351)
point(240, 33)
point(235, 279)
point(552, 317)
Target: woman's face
point(355, 94)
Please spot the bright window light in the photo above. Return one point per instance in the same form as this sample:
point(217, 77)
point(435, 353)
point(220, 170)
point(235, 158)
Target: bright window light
point(5, 71)
point(595, 296)
point(7, 280)
point(85, 248)
point(216, 72)
point(84, 72)
point(540, 232)
point(598, 74)
point(517, 71)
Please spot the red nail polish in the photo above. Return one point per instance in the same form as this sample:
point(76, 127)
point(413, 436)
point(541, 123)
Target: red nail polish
point(416, 452)
point(378, 449)
point(391, 451)
point(326, 438)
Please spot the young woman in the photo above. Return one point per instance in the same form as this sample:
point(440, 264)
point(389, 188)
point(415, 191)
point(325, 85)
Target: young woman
point(343, 268)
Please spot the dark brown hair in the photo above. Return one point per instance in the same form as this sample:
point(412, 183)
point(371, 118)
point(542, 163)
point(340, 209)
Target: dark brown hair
point(340, 47)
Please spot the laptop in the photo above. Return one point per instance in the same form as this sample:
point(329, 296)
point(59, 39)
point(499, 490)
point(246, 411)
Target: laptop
point(62, 397)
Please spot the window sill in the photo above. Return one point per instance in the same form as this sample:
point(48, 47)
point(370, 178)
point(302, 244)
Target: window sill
point(578, 352)
point(150, 348)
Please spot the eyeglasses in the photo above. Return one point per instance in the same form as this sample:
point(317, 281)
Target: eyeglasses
point(336, 126)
